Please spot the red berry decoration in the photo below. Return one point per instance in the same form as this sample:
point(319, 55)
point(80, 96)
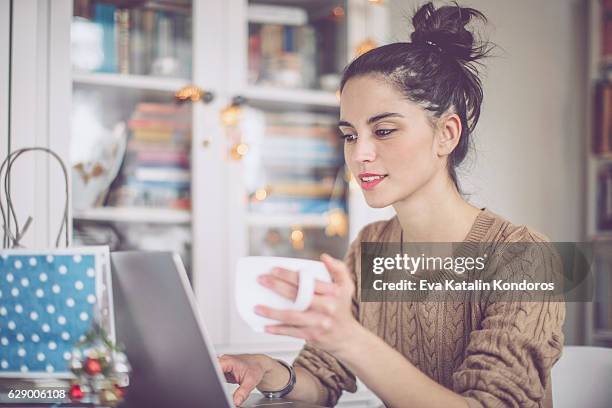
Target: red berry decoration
point(92, 366)
point(76, 393)
point(119, 391)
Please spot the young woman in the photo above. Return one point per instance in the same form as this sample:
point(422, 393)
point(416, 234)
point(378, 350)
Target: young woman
point(407, 112)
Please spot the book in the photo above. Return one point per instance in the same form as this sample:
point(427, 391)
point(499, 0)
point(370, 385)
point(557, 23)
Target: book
point(602, 120)
point(163, 157)
point(104, 15)
point(122, 35)
point(162, 174)
point(302, 189)
point(273, 14)
point(604, 198)
point(139, 56)
point(606, 33)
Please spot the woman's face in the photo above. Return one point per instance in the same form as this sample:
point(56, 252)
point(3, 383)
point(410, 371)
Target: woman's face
point(389, 143)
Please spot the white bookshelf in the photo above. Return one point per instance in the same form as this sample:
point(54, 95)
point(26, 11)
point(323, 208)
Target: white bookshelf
point(288, 220)
point(142, 82)
point(593, 335)
point(307, 97)
point(134, 215)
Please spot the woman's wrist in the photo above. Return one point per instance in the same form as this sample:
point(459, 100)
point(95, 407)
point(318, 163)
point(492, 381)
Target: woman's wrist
point(352, 349)
point(276, 376)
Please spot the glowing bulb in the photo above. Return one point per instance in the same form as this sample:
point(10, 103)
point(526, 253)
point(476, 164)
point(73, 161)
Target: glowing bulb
point(297, 235)
point(338, 12)
point(238, 150)
point(242, 149)
point(231, 115)
point(365, 46)
point(261, 194)
point(297, 238)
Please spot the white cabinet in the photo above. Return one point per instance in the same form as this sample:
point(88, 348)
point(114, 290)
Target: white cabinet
point(195, 181)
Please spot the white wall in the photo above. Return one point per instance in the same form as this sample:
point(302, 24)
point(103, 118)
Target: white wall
point(39, 105)
point(528, 164)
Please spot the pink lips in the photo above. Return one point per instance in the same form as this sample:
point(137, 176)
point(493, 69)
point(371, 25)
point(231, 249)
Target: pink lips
point(368, 185)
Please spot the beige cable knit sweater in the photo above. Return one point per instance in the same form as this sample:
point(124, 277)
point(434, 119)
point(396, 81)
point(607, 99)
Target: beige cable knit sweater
point(497, 354)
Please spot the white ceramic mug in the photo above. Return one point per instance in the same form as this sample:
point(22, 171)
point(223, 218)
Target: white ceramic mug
point(250, 293)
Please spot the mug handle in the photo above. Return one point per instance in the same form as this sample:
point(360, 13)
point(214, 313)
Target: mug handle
point(306, 289)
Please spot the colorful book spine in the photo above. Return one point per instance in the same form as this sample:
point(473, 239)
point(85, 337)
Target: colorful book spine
point(122, 27)
point(105, 17)
point(604, 198)
point(602, 121)
point(606, 33)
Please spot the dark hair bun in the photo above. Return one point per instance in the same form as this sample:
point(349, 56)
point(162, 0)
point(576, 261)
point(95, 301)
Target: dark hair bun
point(445, 28)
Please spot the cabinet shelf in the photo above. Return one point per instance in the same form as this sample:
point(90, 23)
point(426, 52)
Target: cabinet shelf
point(603, 157)
point(601, 236)
point(144, 82)
point(134, 215)
point(287, 220)
point(282, 96)
point(603, 335)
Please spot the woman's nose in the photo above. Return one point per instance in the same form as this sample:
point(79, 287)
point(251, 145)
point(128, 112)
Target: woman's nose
point(364, 150)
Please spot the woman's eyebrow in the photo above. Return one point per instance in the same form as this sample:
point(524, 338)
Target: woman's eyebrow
point(374, 118)
point(384, 115)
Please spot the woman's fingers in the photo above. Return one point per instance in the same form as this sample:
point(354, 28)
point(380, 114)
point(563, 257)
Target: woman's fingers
point(337, 269)
point(236, 372)
point(246, 387)
point(293, 317)
point(285, 330)
point(280, 286)
point(228, 366)
point(285, 283)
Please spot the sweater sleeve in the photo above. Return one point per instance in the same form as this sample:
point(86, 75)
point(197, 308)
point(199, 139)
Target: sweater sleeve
point(331, 373)
point(509, 357)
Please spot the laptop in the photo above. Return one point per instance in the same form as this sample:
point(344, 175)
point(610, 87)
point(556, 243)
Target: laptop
point(173, 361)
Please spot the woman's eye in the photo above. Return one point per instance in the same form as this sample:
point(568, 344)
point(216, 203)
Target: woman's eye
point(348, 138)
point(384, 132)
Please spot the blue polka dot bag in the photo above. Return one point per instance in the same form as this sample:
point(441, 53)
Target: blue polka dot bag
point(48, 301)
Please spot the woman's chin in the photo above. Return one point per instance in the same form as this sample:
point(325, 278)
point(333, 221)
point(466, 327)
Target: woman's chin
point(376, 202)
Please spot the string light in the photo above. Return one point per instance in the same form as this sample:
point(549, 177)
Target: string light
point(230, 118)
point(297, 238)
point(365, 46)
point(338, 13)
point(230, 115)
point(337, 223)
point(261, 194)
point(193, 93)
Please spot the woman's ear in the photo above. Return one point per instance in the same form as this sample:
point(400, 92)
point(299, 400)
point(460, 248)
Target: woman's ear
point(449, 132)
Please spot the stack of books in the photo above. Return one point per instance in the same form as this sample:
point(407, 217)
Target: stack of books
point(302, 159)
point(156, 172)
point(282, 47)
point(153, 39)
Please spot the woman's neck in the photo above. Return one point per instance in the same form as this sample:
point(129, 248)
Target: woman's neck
point(436, 213)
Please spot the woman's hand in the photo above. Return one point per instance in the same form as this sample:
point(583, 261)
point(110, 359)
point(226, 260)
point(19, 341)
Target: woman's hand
point(328, 323)
point(250, 371)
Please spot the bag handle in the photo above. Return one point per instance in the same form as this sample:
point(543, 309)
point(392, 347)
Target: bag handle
point(13, 240)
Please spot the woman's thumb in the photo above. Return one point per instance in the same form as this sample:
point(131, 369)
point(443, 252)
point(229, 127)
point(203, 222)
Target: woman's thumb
point(242, 393)
point(337, 269)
